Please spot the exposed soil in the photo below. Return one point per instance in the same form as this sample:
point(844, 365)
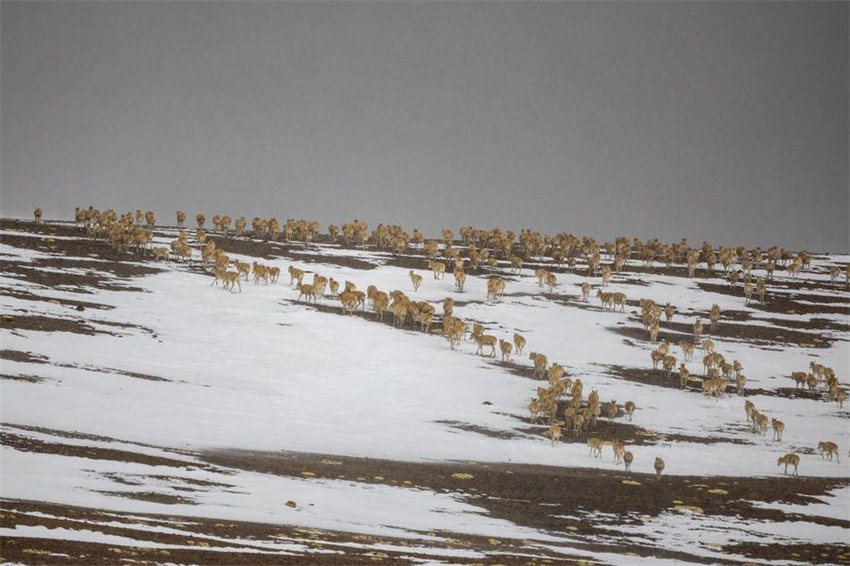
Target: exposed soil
point(27, 444)
point(786, 303)
point(48, 324)
point(674, 332)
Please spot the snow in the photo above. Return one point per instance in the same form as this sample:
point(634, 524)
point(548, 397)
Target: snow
point(256, 371)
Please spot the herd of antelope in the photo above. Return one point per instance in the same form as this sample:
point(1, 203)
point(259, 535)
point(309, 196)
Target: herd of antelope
point(562, 403)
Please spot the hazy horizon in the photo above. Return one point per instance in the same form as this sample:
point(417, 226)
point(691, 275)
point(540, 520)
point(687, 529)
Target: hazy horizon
point(725, 122)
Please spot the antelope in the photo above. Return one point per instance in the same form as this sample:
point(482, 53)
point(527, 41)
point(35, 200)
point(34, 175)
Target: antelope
point(380, 303)
point(540, 363)
point(231, 278)
point(460, 280)
point(697, 329)
point(160, 252)
point(585, 291)
point(607, 299)
point(828, 448)
point(200, 219)
point(274, 275)
point(606, 275)
point(519, 342)
point(554, 433)
point(506, 348)
point(595, 445)
point(349, 302)
point(749, 407)
point(619, 449)
point(657, 357)
point(37, 214)
point(687, 350)
point(551, 281)
point(516, 264)
point(811, 382)
point(654, 329)
point(761, 287)
point(789, 460)
point(740, 384)
point(495, 288)
point(669, 311)
point(778, 428)
point(416, 279)
point(611, 410)
point(243, 268)
point(659, 467)
point(181, 218)
point(628, 458)
point(714, 316)
point(684, 376)
point(668, 363)
point(799, 378)
point(306, 290)
point(438, 268)
point(748, 291)
point(619, 299)
point(485, 340)
point(839, 395)
point(630, 408)
point(334, 286)
point(541, 274)
point(295, 274)
point(448, 306)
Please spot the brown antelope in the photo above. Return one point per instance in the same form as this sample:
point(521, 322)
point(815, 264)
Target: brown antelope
point(37, 214)
point(828, 448)
point(740, 384)
point(778, 428)
point(181, 218)
point(618, 299)
point(334, 286)
point(687, 350)
point(619, 449)
point(295, 274)
point(506, 348)
point(540, 363)
point(460, 280)
point(630, 408)
point(669, 311)
point(519, 342)
point(585, 291)
point(684, 376)
point(628, 458)
point(231, 279)
point(659, 467)
point(485, 340)
point(416, 279)
point(607, 299)
point(274, 275)
point(697, 329)
point(799, 378)
point(761, 288)
point(438, 268)
point(551, 281)
point(243, 268)
point(349, 302)
point(789, 460)
point(714, 316)
point(595, 445)
point(495, 288)
point(306, 290)
point(541, 274)
point(448, 306)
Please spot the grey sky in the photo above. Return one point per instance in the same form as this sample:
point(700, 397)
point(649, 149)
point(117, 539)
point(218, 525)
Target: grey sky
point(712, 121)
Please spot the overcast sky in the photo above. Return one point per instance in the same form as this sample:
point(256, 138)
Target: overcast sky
point(715, 121)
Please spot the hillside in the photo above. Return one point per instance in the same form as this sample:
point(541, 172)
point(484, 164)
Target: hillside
point(148, 414)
